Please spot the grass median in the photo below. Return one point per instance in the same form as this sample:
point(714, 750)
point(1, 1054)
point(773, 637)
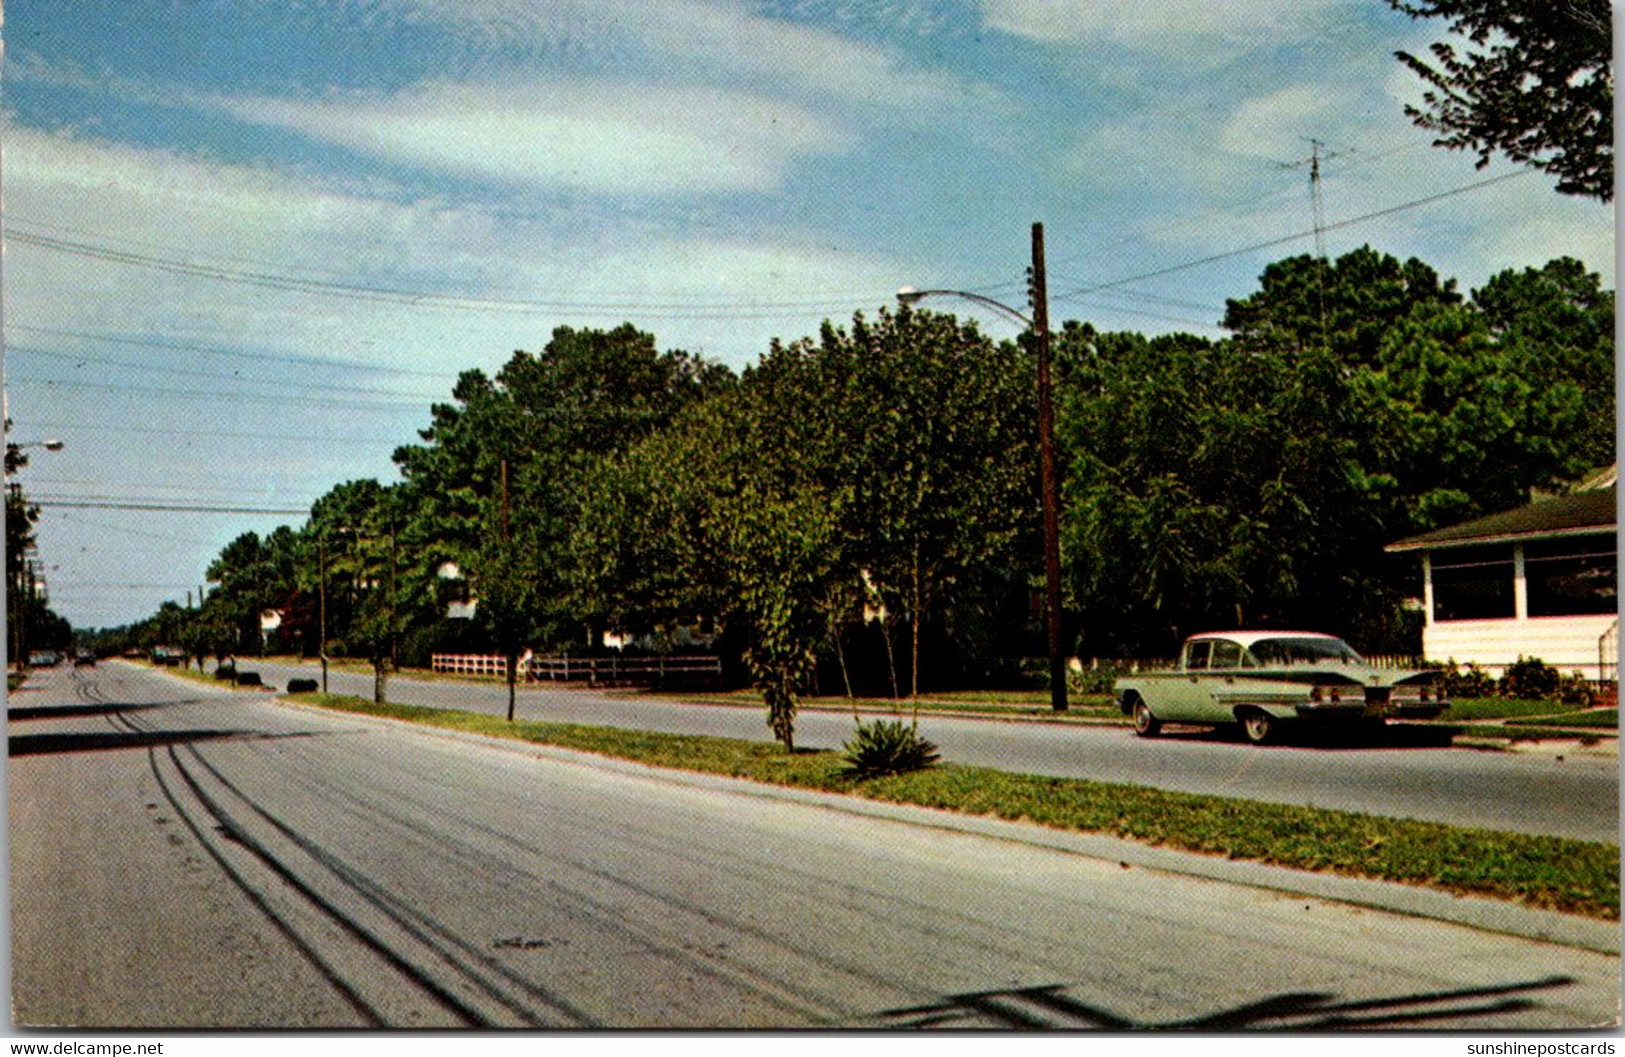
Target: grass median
point(1578, 877)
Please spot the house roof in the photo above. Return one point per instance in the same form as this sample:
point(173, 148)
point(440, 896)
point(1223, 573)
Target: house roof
point(1579, 513)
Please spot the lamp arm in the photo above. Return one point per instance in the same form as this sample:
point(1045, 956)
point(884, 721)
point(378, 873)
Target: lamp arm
point(909, 296)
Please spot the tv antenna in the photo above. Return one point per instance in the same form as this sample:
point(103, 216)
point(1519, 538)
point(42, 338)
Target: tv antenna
point(1317, 154)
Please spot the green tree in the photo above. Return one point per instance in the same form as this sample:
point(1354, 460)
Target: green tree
point(1257, 479)
point(1345, 306)
point(21, 515)
point(933, 428)
point(1556, 326)
point(1533, 81)
point(550, 419)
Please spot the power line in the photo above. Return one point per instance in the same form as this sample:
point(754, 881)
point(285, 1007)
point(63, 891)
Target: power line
point(1282, 240)
point(421, 298)
point(197, 373)
point(257, 357)
point(57, 425)
point(167, 537)
point(169, 508)
point(53, 383)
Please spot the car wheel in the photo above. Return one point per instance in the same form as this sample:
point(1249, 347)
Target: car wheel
point(1260, 726)
point(1145, 724)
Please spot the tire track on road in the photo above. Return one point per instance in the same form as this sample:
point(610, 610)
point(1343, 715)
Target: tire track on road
point(378, 974)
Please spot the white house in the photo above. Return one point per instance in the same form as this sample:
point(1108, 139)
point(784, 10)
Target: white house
point(1539, 581)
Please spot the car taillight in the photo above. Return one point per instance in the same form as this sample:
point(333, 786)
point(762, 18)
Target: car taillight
point(1325, 693)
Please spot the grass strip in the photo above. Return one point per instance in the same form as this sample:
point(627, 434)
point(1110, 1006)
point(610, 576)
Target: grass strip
point(1579, 877)
point(1094, 707)
point(1469, 709)
point(1602, 717)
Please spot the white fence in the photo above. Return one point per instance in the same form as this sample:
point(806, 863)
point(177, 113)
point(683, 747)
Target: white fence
point(592, 670)
point(469, 664)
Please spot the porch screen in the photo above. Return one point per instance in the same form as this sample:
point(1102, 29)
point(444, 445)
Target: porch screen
point(1473, 583)
point(1578, 576)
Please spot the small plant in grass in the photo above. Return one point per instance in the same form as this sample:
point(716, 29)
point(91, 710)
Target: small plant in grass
point(885, 747)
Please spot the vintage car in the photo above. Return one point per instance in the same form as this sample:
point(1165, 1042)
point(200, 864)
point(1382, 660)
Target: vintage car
point(1265, 679)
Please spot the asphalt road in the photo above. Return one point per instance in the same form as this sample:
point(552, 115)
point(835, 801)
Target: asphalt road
point(1568, 795)
point(183, 857)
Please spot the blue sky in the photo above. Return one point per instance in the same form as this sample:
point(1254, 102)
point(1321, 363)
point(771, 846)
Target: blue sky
point(248, 244)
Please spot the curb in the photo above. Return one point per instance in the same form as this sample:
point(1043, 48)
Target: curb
point(1489, 915)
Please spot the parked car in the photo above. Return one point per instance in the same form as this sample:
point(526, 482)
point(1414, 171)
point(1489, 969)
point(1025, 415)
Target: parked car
point(84, 659)
point(1263, 680)
point(43, 659)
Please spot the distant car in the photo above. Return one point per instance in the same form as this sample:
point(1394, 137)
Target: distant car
point(84, 659)
point(1264, 680)
point(43, 659)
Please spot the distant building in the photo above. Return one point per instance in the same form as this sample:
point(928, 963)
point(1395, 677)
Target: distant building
point(1539, 581)
point(456, 593)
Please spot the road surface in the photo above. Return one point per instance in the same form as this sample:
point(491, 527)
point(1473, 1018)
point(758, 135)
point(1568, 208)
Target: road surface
point(1576, 796)
point(185, 857)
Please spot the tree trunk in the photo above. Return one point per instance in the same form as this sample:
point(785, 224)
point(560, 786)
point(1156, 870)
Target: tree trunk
point(846, 677)
point(914, 618)
point(891, 656)
point(513, 666)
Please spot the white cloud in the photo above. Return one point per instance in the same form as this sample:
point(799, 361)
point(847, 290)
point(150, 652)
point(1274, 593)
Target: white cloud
point(1279, 125)
point(707, 39)
point(1163, 27)
point(622, 138)
point(693, 287)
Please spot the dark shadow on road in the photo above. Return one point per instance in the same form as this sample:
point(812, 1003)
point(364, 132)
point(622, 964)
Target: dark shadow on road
point(1051, 1007)
point(20, 715)
point(105, 741)
point(1393, 736)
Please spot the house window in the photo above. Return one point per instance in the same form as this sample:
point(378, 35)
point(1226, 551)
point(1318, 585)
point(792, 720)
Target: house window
point(1571, 577)
point(1473, 583)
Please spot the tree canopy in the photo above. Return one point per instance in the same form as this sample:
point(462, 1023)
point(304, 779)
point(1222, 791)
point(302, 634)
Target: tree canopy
point(1533, 80)
point(861, 506)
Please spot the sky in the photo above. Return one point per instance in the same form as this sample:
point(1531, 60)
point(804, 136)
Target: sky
point(246, 245)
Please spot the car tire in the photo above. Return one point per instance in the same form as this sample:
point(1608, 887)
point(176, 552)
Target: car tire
point(1260, 727)
point(1146, 725)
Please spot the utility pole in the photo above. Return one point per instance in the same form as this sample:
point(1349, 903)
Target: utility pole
point(321, 604)
point(504, 500)
point(1050, 481)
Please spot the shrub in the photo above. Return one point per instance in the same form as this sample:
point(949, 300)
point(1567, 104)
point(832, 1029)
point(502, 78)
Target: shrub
point(225, 672)
point(1471, 682)
point(248, 678)
point(301, 686)
point(1097, 677)
point(888, 747)
point(1530, 679)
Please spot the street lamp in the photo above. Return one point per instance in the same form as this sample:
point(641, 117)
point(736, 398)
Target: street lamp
point(15, 459)
point(1039, 325)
